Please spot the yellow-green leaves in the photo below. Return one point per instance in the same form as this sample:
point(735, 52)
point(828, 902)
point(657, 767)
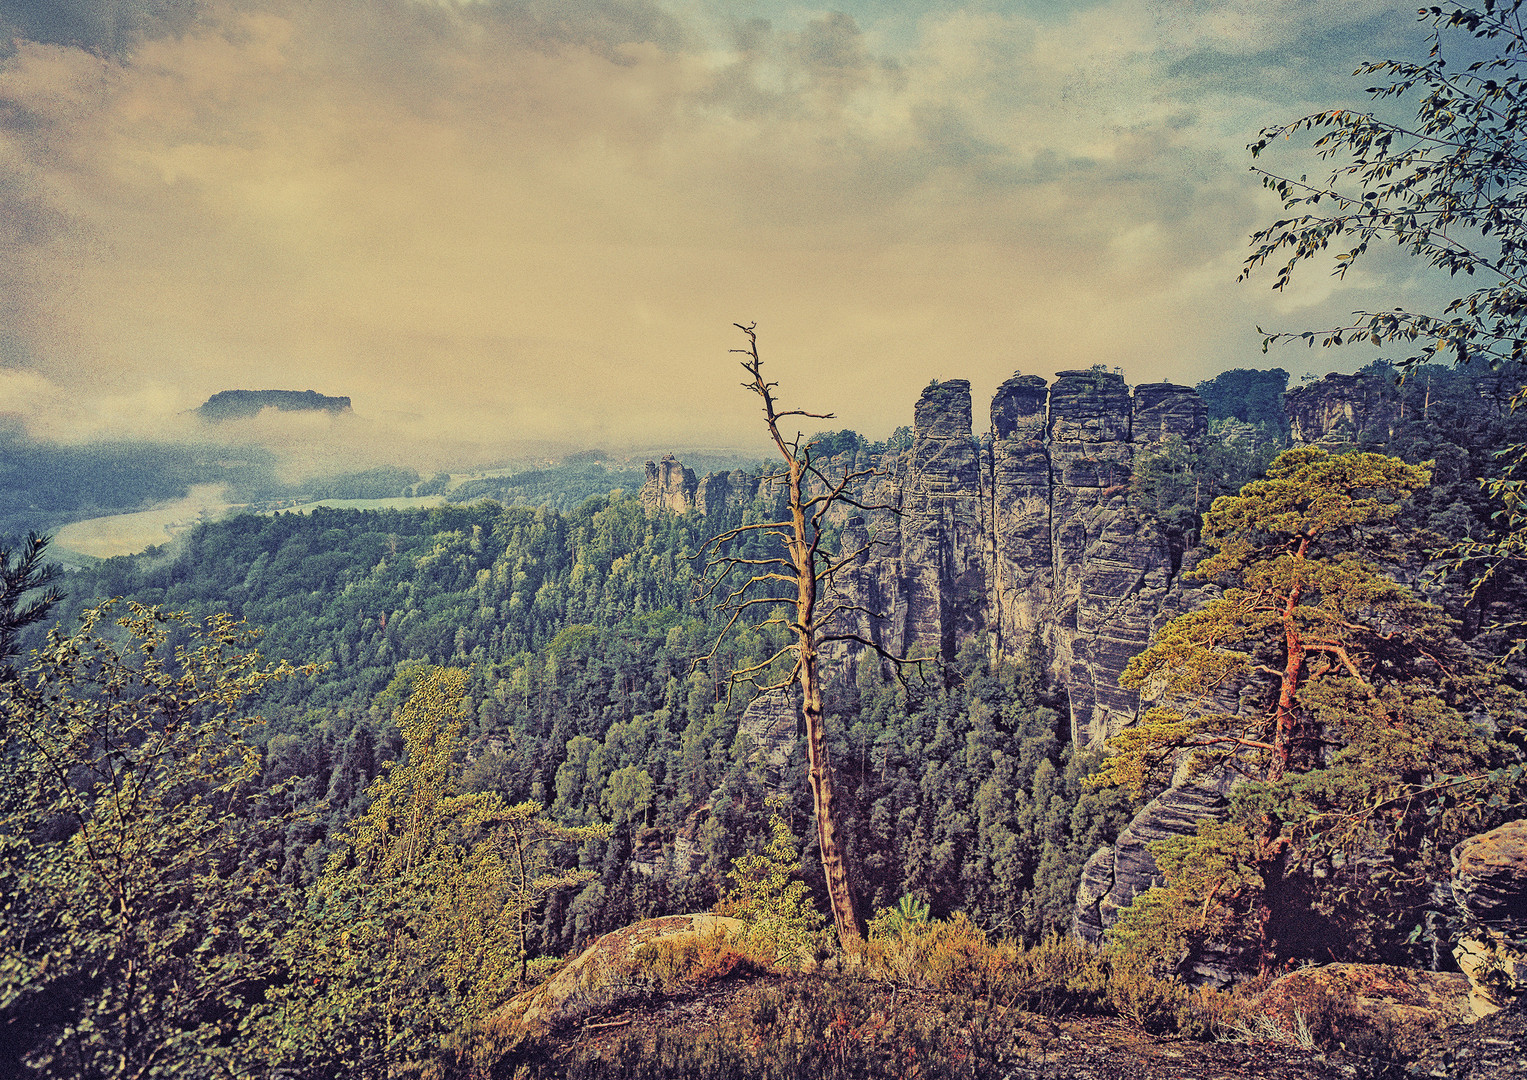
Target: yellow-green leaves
point(1299, 603)
point(768, 894)
point(139, 907)
point(418, 927)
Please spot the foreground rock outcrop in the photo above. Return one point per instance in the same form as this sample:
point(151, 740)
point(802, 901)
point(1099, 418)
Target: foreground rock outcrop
point(1490, 884)
point(1378, 1008)
point(604, 974)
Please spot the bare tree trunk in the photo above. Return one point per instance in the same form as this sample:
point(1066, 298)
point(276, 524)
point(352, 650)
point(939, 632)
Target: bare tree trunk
point(824, 798)
point(800, 570)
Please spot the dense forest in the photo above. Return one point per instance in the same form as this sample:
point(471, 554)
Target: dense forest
point(528, 658)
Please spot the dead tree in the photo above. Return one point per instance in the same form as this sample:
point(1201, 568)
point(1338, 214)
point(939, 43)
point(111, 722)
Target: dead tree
point(794, 588)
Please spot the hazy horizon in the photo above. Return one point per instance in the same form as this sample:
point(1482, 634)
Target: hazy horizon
point(502, 226)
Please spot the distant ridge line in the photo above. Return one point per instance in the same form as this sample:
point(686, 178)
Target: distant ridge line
point(238, 404)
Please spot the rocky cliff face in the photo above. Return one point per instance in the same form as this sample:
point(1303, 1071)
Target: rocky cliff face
point(670, 486)
point(1024, 530)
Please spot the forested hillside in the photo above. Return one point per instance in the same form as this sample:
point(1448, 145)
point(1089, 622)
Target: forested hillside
point(578, 634)
point(491, 655)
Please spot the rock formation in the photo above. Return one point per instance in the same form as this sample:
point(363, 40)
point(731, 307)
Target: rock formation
point(1490, 885)
point(770, 725)
point(237, 404)
point(1026, 530)
point(670, 486)
point(1117, 873)
point(1357, 1004)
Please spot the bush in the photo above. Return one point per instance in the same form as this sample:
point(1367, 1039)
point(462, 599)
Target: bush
point(694, 961)
point(768, 895)
point(1058, 975)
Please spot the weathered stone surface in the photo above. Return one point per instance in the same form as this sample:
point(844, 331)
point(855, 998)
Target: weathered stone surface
point(1023, 573)
point(1490, 876)
point(1163, 409)
point(1128, 869)
point(942, 539)
point(670, 486)
point(713, 492)
point(1096, 882)
point(1343, 408)
point(1490, 884)
point(770, 725)
point(600, 976)
point(1361, 1004)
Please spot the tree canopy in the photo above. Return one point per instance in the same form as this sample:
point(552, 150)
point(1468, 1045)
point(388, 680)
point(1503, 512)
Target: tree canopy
point(141, 900)
point(1445, 187)
point(1355, 719)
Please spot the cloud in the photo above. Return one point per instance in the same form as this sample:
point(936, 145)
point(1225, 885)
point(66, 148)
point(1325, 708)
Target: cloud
point(538, 220)
point(108, 27)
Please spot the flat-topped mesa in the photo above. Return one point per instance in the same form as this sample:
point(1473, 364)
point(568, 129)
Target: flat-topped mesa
point(669, 486)
point(241, 404)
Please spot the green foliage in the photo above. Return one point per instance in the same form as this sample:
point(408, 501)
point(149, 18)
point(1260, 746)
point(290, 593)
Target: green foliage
point(1211, 890)
point(1443, 189)
point(907, 917)
point(1352, 705)
point(769, 896)
point(1250, 396)
point(1299, 602)
point(577, 638)
point(26, 575)
point(417, 928)
point(140, 903)
point(1177, 483)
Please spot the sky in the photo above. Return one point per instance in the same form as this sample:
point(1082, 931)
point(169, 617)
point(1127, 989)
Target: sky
point(500, 224)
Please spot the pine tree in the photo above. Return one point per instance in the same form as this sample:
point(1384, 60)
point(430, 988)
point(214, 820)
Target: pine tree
point(1341, 696)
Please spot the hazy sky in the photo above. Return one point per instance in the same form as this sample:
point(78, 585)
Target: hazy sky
point(497, 220)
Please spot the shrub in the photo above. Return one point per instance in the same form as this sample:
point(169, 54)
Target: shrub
point(809, 1029)
point(768, 895)
point(693, 961)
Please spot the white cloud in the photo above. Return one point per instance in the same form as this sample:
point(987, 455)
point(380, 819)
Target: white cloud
point(539, 221)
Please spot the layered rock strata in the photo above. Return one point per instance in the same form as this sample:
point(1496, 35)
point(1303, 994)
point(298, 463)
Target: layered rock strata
point(670, 486)
point(768, 729)
point(1490, 886)
point(1117, 873)
point(1024, 531)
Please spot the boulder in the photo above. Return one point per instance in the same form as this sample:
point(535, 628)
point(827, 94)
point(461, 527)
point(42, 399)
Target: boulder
point(1490, 884)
